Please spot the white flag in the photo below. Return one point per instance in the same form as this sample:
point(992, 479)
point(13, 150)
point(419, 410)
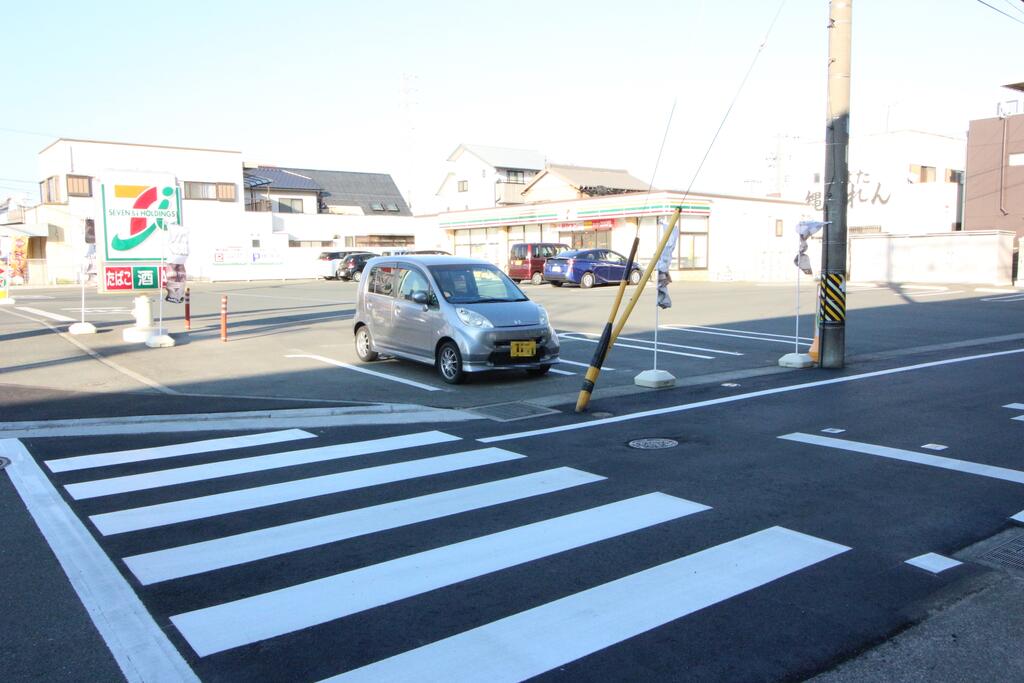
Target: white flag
point(665, 262)
point(805, 229)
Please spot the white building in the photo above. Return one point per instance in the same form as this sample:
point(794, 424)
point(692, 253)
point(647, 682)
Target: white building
point(480, 177)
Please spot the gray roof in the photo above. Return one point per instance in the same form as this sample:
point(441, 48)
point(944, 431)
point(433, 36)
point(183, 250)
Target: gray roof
point(339, 188)
point(503, 157)
point(595, 181)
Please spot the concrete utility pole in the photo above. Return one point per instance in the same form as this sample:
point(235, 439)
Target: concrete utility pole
point(832, 296)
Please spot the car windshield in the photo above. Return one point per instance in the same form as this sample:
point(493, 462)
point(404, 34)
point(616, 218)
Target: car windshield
point(472, 283)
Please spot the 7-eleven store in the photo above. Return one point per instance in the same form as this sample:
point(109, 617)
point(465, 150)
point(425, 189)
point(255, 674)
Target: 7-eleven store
point(721, 236)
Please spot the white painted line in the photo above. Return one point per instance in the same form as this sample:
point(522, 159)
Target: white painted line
point(935, 447)
point(381, 375)
point(186, 560)
point(138, 645)
point(934, 563)
point(46, 314)
point(833, 430)
point(939, 461)
point(1014, 406)
point(1019, 418)
point(257, 463)
point(1019, 517)
point(738, 336)
point(787, 337)
point(954, 291)
point(633, 346)
point(1012, 297)
point(741, 397)
point(662, 344)
point(189, 509)
point(983, 290)
point(530, 643)
point(256, 618)
point(561, 372)
point(585, 365)
point(82, 462)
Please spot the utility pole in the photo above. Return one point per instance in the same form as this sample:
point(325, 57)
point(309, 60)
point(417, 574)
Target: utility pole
point(832, 292)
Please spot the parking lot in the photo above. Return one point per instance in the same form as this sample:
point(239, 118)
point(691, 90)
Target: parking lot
point(293, 340)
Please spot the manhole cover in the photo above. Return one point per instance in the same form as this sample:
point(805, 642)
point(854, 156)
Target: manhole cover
point(1009, 555)
point(4, 462)
point(652, 444)
point(507, 412)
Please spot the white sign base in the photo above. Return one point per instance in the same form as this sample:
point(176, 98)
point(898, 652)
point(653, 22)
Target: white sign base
point(655, 379)
point(82, 328)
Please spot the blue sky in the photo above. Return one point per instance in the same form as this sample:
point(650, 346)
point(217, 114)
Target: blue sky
point(320, 84)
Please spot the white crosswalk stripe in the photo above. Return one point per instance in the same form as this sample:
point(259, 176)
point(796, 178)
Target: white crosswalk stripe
point(232, 624)
point(538, 640)
point(259, 463)
point(82, 462)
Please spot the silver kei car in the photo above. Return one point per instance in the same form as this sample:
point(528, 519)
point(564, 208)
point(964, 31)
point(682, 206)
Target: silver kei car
point(458, 314)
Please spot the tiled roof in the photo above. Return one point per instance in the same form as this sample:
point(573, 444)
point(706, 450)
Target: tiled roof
point(281, 179)
point(504, 157)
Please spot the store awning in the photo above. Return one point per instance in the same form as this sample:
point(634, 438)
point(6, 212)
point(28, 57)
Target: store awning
point(25, 230)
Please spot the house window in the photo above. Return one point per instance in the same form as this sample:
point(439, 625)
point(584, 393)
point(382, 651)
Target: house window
point(200, 190)
point(49, 190)
point(922, 174)
point(392, 206)
point(817, 178)
point(79, 186)
point(376, 206)
point(225, 192)
point(954, 176)
point(256, 243)
point(516, 177)
point(778, 227)
point(463, 186)
point(289, 205)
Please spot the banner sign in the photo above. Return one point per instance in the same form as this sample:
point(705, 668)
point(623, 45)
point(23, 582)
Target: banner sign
point(128, 278)
point(4, 282)
point(135, 208)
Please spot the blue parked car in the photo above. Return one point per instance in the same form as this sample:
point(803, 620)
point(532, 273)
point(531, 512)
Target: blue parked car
point(589, 267)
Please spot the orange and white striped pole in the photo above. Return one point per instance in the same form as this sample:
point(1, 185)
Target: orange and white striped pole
point(188, 310)
point(224, 318)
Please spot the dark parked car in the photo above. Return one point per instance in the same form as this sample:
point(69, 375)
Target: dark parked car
point(352, 267)
point(526, 261)
point(589, 267)
point(332, 261)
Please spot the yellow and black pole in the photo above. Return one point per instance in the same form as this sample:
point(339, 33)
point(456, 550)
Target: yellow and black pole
point(609, 335)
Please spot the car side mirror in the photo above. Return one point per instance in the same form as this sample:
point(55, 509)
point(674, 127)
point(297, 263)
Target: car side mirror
point(420, 297)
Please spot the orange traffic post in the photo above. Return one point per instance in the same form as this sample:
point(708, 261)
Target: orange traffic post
point(224, 318)
point(188, 310)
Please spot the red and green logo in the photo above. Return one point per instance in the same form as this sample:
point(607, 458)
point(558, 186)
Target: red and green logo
point(153, 208)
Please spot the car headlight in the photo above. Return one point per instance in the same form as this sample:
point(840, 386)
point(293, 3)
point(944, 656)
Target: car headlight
point(473, 319)
point(543, 316)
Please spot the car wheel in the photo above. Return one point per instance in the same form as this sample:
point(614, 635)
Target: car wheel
point(364, 345)
point(556, 284)
point(587, 281)
point(538, 372)
point(449, 363)
point(634, 277)
point(357, 276)
point(537, 279)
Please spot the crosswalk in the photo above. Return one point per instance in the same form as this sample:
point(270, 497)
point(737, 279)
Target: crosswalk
point(141, 518)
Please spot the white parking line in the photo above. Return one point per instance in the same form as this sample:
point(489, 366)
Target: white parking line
point(583, 365)
point(633, 346)
point(933, 562)
point(561, 372)
point(990, 471)
point(381, 375)
point(537, 640)
point(753, 336)
point(662, 343)
point(46, 314)
point(1010, 297)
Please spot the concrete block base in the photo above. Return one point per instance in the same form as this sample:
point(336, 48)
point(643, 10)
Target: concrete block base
point(7, 302)
point(82, 328)
point(655, 379)
point(796, 360)
point(140, 335)
point(160, 341)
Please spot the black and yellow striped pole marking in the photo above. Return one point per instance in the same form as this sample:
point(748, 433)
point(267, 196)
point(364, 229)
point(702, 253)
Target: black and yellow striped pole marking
point(609, 335)
point(833, 299)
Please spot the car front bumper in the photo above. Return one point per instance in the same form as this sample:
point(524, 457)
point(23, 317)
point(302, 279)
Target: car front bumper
point(490, 349)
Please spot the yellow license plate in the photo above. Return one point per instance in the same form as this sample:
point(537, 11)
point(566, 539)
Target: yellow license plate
point(524, 348)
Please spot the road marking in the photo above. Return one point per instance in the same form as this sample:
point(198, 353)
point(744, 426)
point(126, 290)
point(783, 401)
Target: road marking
point(933, 562)
point(1014, 406)
point(381, 375)
point(1019, 517)
point(833, 430)
point(186, 560)
point(530, 643)
point(258, 463)
point(267, 615)
point(749, 336)
point(954, 291)
point(786, 337)
point(82, 462)
point(561, 372)
point(742, 397)
point(990, 471)
point(1011, 297)
point(139, 646)
point(935, 446)
point(633, 346)
point(162, 514)
point(46, 314)
point(664, 343)
point(585, 365)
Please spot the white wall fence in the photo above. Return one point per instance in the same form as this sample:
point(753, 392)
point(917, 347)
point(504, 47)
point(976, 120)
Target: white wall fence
point(968, 257)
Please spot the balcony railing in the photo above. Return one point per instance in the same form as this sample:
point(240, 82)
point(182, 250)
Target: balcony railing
point(508, 193)
point(260, 205)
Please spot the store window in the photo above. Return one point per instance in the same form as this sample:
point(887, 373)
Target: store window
point(588, 240)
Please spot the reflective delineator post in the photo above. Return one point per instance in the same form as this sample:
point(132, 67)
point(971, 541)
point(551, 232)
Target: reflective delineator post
point(188, 310)
point(224, 318)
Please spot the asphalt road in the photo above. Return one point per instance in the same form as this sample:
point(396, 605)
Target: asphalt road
point(769, 543)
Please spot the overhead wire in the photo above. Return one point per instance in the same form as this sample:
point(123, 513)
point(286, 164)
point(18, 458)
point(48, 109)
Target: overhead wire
point(1008, 16)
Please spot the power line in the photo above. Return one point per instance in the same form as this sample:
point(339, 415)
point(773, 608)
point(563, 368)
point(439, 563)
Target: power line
point(29, 132)
point(1008, 16)
point(1015, 5)
point(18, 180)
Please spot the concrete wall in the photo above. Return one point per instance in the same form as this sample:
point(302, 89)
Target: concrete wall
point(976, 257)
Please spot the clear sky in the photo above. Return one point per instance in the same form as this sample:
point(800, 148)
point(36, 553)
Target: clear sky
point(394, 87)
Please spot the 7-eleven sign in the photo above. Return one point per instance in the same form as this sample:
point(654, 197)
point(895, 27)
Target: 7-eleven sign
point(135, 211)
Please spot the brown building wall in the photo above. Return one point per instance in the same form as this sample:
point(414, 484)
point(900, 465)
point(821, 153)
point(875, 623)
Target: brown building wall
point(994, 190)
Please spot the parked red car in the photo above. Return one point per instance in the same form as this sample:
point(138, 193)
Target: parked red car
point(526, 261)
